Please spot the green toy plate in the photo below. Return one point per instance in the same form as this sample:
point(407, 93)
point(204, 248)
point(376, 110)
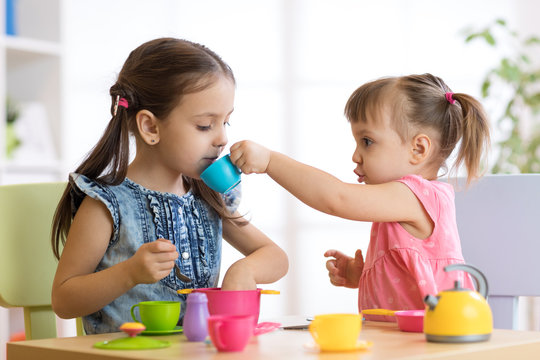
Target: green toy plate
point(176, 330)
point(132, 343)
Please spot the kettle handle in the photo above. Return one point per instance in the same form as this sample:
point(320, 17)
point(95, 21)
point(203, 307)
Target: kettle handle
point(479, 277)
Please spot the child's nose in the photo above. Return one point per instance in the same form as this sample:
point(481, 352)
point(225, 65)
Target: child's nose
point(356, 157)
point(221, 137)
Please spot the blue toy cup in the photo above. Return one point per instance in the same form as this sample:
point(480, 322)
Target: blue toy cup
point(222, 175)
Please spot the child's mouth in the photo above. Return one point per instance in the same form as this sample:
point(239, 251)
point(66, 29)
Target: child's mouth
point(360, 177)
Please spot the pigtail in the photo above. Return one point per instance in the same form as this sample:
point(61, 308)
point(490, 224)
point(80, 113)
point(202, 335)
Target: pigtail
point(107, 162)
point(475, 138)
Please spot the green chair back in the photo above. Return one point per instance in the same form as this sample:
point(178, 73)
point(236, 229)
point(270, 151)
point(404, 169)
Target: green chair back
point(27, 264)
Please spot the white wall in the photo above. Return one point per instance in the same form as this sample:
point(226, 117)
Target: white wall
point(296, 63)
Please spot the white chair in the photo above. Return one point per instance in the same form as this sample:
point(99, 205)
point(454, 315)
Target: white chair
point(498, 219)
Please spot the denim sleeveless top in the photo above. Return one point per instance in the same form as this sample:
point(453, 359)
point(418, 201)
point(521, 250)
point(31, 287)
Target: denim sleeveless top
point(141, 215)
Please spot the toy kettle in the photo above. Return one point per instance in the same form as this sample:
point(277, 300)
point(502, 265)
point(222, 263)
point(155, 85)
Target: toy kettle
point(459, 315)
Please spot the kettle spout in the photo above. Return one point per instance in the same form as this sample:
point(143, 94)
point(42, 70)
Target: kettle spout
point(431, 301)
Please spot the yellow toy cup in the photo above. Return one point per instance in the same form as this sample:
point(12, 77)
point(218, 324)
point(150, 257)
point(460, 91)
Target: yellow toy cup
point(336, 332)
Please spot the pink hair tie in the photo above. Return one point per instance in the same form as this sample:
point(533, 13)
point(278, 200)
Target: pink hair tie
point(449, 97)
point(119, 102)
point(123, 102)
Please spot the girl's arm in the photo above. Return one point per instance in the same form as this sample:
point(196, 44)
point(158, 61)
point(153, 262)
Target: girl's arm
point(388, 202)
point(77, 289)
point(264, 261)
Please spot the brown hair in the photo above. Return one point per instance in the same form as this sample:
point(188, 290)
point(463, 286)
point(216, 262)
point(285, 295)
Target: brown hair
point(155, 76)
point(419, 102)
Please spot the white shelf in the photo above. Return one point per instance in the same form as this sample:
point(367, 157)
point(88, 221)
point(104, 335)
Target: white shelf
point(15, 44)
point(30, 74)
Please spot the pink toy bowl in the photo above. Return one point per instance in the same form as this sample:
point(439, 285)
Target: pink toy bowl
point(407, 320)
point(232, 302)
point(410, 320)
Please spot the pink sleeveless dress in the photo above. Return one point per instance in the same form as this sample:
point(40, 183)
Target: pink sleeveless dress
point(400, 270)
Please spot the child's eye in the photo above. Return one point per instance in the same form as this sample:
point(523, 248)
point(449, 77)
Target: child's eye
point(367, 141)
point(227, 123)
point(204, 128)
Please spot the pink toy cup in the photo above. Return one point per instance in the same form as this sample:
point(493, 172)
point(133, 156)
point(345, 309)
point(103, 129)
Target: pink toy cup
point(230, 332)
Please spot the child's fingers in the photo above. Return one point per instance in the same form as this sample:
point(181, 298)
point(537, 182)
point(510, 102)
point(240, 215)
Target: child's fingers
point(335, 253)
point(165, 256)
point(337, 280)
point(358, 258)
point(235, 156)
point(162, 245)
point(333, 273)
point(165, 266)
point(331, 266)
point(330, 253)
point(235, 146)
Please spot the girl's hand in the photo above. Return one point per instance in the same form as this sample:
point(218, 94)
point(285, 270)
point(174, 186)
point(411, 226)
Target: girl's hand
point(343, 270)
point(250, 157)
point(238, 277)
point(152, 261)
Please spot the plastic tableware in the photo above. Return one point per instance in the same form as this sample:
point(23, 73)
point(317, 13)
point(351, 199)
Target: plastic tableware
point(336, 332)
point(179, 274)
point(232, 302)
point(221, 175)
point(230, 332)
point(157, 315)
point(176, 330)
point(407, 320)
point(132, 328)
point(196, 317)
point(459, 315)
point(265, 327)
point(189, 291)
point(132, 342)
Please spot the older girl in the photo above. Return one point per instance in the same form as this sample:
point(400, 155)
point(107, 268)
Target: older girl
point(126, 223)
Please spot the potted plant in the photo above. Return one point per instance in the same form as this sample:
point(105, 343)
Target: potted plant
point(514, 83)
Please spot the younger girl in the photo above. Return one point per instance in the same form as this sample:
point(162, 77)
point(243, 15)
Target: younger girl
point(125, 225)
point(405, 128)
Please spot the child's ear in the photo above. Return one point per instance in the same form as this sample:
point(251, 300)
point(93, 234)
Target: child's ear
point(147, 124)
point(421, 148)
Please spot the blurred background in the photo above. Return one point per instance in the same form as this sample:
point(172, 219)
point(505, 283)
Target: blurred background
point(296, 62)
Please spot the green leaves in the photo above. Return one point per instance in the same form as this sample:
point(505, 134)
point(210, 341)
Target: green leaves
point(508, 71)
point(531, 41)
point(486, 35)
point(12, 140)
point(12, 111)
point(516, 75)
point(485, 87)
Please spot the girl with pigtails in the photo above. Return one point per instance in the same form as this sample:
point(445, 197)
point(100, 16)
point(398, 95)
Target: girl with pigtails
point(123, 225)
point(405, 129)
